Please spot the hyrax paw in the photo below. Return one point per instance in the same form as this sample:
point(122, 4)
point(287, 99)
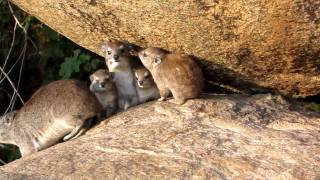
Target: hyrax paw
point(161, 99)
point(177, 101)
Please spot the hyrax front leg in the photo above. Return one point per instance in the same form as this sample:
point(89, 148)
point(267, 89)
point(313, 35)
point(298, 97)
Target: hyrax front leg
point(164, 93)
point(130, 102)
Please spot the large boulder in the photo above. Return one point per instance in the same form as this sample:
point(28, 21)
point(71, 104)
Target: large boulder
point(217, 137)
point(246, 44)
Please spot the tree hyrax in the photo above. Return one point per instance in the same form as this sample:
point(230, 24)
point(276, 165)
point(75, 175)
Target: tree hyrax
point(120, 63)
point(173, 72)
point(103, 87)
point(62, 109)
point(146, 88)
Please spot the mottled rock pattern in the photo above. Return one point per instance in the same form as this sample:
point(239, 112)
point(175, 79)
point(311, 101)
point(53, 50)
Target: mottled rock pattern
point(218, 137)
point(265, 43)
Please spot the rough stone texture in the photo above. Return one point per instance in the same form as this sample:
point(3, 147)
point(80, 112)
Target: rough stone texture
point(243, 43)
point(219, 137)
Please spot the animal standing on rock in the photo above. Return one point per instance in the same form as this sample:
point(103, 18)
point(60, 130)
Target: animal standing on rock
point(173, 72)
point(61, 109)
point(146, 88)
point(120, 63)
point(103, 87)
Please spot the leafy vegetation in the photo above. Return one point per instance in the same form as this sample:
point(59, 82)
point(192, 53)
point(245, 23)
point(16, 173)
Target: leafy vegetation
point(48, 57)
point(78, 64)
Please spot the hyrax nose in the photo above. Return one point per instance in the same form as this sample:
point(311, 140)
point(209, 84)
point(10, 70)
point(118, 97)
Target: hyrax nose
point(141, 82)
point(102, 84)
point(116, 57)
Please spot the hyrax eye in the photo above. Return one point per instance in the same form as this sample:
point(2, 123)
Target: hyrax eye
point(144, 54)
point(122, 50)
point(7, 120)
point(109, 52)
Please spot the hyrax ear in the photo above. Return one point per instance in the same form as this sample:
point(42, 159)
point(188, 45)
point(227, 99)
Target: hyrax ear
point(133, 49)
point(104, 48)
point(157, 60)
point(91, 78)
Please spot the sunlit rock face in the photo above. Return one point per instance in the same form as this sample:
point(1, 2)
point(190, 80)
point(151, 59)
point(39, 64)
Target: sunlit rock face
point(217, 137)
point(246, 44)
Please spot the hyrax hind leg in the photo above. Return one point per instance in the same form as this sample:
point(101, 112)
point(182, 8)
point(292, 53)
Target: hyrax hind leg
point(178, 101)
point(79, 129)
point(178, 98)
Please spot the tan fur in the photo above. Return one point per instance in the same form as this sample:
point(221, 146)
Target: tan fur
point(173, 72)
point(55, 111)
point(146, 88)
point(120, 63)
point(103, 87)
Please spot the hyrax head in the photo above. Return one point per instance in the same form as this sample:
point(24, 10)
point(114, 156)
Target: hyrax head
point(143, 78)
point(5, 127)
point(101, 81)
point(152, 56)
point(117, 55)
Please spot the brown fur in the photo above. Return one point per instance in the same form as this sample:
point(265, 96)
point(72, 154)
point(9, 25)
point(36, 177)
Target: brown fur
point(103, 87)
point(60, 109)
point(173, 72)
point(146, 88)
point(120, 62)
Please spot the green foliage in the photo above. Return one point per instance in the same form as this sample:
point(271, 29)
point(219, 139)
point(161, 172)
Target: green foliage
point(79, 63)
point(9, 152)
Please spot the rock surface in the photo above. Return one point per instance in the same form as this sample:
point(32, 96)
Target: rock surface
point(217, 137)
point(245, 44)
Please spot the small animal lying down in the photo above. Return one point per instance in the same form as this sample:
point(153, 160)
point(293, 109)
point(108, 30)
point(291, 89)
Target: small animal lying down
point(60, 110)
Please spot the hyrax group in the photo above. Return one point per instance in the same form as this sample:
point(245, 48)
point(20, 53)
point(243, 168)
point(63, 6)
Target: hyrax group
point(65, 109)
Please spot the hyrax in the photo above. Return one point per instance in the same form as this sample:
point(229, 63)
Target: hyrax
point(62, 109)
point(146, 88)
point(173, 72)
point(103, 87)
point(120, 63)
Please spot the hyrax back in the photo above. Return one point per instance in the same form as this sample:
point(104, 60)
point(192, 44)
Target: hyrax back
point(173, 72)
point(103, 87)
point(120, 63)
point(61, 109)
point(146, 88)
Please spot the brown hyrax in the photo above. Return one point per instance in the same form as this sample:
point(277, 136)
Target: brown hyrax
point(61, 109)
point(173, 72)
point(146, 88)
point(120, 64)
point(103, 87)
